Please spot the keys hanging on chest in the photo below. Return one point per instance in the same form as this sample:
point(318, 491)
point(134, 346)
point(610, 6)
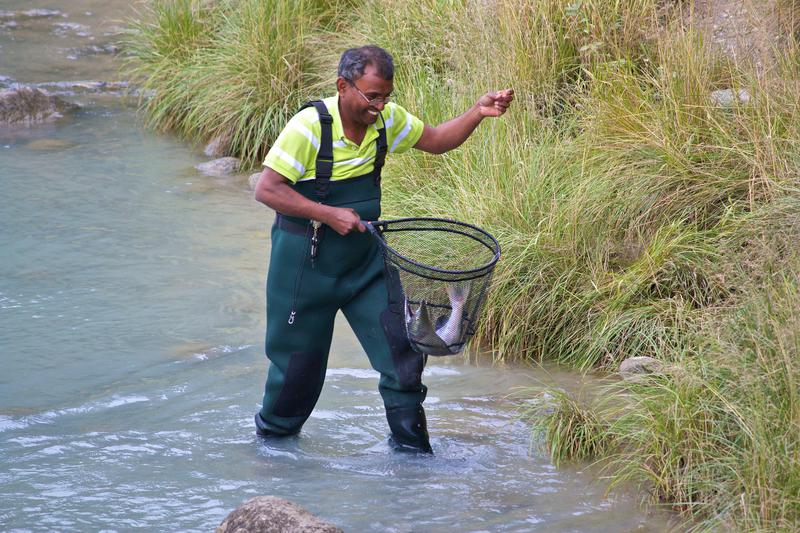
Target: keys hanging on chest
point(315, 237)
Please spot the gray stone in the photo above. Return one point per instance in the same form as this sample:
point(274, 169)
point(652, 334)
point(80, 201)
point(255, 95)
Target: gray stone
point(218, 146)
point(253, 180)
point(224, 166)
point(94, 86)
point(269, 514)
point(634, 368)
point(26, 106)
point(725, 97)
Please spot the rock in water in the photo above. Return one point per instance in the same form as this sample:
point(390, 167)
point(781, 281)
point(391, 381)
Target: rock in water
point(269, 514)
point(224, 166)
point(26, 106)
point(50, 144)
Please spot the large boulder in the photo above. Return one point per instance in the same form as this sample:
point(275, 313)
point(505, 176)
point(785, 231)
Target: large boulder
point(24, 106)
point(269, 514)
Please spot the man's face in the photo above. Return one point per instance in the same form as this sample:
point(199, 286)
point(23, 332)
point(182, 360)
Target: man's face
point(357, 97)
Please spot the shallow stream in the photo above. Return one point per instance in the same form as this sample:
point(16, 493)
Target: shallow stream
point(131, 329)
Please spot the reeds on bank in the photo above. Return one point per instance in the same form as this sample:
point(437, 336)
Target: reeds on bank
point(638, 214)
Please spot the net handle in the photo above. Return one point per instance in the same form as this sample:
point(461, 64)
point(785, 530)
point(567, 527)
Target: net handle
point(369, 225)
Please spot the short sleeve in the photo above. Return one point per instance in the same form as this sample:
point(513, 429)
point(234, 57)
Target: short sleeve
point(403, 129)
point(295, 149)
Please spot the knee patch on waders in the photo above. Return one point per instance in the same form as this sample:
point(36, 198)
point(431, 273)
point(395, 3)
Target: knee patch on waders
point(302, 385)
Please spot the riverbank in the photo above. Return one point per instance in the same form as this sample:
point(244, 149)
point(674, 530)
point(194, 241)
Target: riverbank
point(644, 190)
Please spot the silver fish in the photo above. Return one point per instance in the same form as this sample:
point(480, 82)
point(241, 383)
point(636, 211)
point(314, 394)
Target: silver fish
point(445, 339)
point(450, 332)
point(421, 330)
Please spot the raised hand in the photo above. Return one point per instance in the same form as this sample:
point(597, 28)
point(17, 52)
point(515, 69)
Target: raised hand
point(494, 104)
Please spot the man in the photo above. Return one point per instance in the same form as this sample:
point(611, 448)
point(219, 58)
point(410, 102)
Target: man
point(322, 177)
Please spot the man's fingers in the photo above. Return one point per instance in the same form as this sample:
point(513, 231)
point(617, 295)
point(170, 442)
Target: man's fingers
point(507, 95)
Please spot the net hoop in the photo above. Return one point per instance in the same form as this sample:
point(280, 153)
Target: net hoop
point(380, 227)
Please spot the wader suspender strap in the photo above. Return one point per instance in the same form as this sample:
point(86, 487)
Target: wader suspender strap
point(324, 162)
point(380, 151)
point(325, 155)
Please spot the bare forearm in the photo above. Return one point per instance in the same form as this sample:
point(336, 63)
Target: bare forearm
point(452, 134)
point(273, 190)
point(285, 200)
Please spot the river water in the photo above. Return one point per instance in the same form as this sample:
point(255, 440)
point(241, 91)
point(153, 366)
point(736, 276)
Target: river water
point(131, 329)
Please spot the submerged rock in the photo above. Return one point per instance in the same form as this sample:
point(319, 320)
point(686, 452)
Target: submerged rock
point(224, 166)
point(95, 49)
point(50, 144)
point(269, 514)
point(26, 106)
point(64, 28)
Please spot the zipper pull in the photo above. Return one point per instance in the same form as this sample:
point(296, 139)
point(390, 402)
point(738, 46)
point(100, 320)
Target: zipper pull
point(291, 317)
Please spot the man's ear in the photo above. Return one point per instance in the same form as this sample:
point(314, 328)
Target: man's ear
point(341, 84)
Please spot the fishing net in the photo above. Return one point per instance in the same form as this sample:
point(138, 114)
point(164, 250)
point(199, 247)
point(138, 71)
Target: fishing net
point(443, 269)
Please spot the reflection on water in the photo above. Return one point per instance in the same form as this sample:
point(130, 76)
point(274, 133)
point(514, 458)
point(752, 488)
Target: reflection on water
point(131, 330)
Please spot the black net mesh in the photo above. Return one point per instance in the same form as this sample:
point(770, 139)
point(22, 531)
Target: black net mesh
point(443, 269)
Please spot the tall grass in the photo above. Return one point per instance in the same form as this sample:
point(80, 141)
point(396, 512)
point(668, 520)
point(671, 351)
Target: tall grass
point(637, 216)
point(236, 68)
point(717, 435)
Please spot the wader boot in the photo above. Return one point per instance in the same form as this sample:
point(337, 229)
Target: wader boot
point(313, 273)
point(409, 429)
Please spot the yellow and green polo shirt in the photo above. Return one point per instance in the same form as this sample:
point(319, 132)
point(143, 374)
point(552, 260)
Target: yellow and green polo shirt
point(294, 153)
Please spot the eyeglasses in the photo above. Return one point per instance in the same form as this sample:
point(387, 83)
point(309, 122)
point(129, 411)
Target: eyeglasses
point(371, 101)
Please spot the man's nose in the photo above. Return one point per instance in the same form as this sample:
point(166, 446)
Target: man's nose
point(379, 105)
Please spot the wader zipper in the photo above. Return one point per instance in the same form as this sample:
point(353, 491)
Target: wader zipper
point(313, 241)
point(298, 278)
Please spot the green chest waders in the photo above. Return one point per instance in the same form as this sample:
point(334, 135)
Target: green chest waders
point(313, 273)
